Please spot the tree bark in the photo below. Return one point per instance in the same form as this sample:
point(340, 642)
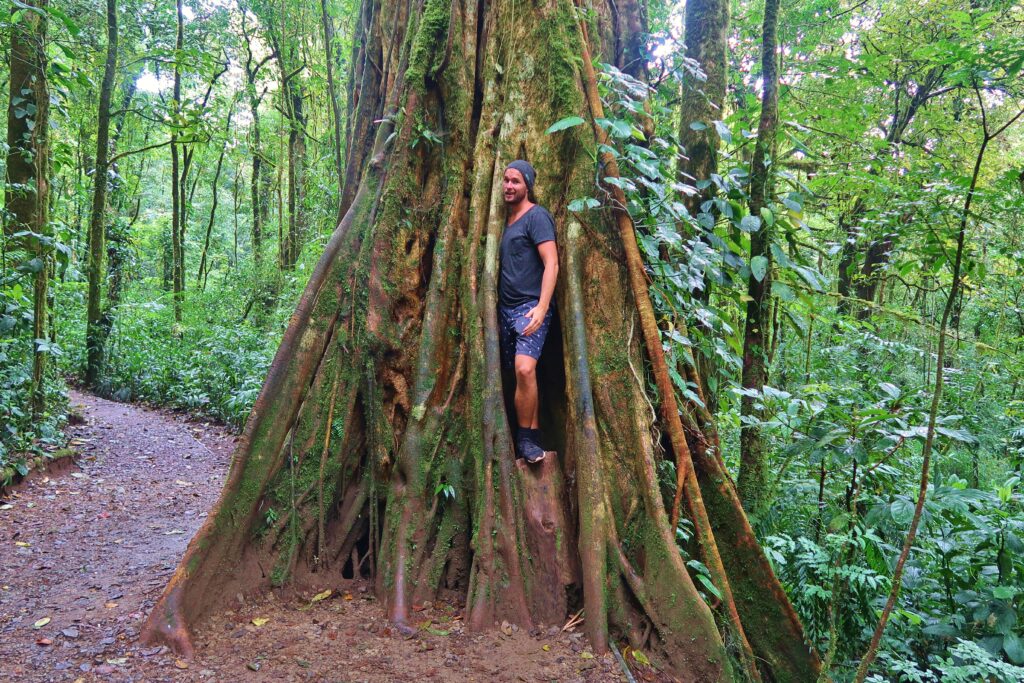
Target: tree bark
point(118, 231)
point(97, 219)
point(332, 91)
point(706, 32)
point(26, 195)
point(879, 250)
point(753, 477)
point(365, 99)
point(259, 181)
point(177, 178)
point(387, 386)
point(201, 278)
point(294, 92)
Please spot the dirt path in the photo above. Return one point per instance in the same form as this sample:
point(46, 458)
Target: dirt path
point(84, 554)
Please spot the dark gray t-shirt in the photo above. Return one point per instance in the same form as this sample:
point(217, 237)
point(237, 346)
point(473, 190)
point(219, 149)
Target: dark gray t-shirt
point(521, 266)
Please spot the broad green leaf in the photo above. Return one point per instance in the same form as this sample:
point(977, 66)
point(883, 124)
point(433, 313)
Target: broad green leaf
point(568, 122)
point(759, 267)
point(750, 224)
point(583, 204)
point(902, 511)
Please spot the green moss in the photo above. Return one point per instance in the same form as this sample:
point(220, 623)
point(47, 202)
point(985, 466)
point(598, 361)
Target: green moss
point(427, 47)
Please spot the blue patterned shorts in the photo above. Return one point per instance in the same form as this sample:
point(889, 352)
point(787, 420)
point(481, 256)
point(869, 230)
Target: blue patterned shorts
point(511, 323)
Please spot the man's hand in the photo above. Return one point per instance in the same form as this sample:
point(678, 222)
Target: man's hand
point(536, 316)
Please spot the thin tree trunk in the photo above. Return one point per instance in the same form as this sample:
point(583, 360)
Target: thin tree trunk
point(259, 182)
point(332, 91)
point(201, 280)
point(97, 219)
point(234, 214)
point(296, 175)
point(365, 101)
point(933, 412)
point(753, 477)
point(177, 179)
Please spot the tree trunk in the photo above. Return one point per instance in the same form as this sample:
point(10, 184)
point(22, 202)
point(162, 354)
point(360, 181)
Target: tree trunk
point(707, 27)
point(259, 181)
point(177, 180)
point(97, 219)
point(753, 478)
point(294, 93)
point(118, 232)
point(365, 98)
point(706, 31)
point(879, 251)
point(875, 259)
point(848, 227)
point(201, 279)
point(27, 191)
point(332, 91)
point(387, 387)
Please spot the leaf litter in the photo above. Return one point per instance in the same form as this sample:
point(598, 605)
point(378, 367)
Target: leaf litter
point(96, 592)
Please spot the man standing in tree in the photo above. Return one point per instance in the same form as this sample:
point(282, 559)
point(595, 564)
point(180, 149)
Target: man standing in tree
point(529, 268)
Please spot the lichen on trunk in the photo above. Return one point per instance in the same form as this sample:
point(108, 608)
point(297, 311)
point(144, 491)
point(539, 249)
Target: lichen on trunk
point(380, 444)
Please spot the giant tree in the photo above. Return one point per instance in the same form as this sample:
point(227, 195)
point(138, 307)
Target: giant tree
point(387, 390)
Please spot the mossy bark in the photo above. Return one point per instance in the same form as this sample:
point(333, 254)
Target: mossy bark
point(386, 392)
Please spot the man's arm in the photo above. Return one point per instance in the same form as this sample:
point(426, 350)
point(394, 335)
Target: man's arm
point(549, 256)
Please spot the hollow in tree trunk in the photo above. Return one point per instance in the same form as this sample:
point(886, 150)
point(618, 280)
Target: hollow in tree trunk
point(387, 388)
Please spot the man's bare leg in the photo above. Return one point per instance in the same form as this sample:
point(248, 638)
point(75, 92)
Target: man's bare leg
point(527, 401)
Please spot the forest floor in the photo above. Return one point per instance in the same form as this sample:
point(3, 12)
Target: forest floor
point(85, 552)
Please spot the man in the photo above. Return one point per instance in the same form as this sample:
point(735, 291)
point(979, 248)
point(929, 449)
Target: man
point(529, 268)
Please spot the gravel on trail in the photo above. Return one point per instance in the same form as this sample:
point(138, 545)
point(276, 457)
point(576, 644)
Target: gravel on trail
point(85, 553)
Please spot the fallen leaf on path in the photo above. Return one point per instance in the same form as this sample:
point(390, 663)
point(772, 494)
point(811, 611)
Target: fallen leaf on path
point(117, 661)
point(79, 475)
point(641, 658)
point(182, 482)
point(586, 655)
point(259, 621)
point(6, 506)
point(41, 623)
point(546, 648)
point(347, 596)
point(254, 666)
point(181, 664)
point(110, 605)
point(22, 544)
point(322, 595)
point(44, 641)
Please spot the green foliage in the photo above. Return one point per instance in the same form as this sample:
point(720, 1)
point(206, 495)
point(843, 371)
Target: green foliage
point(20, 435)
point(212, 363)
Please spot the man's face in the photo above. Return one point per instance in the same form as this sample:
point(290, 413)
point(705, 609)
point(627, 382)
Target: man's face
point(514, 186)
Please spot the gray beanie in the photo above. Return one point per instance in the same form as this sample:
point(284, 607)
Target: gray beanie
point(524, 167)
